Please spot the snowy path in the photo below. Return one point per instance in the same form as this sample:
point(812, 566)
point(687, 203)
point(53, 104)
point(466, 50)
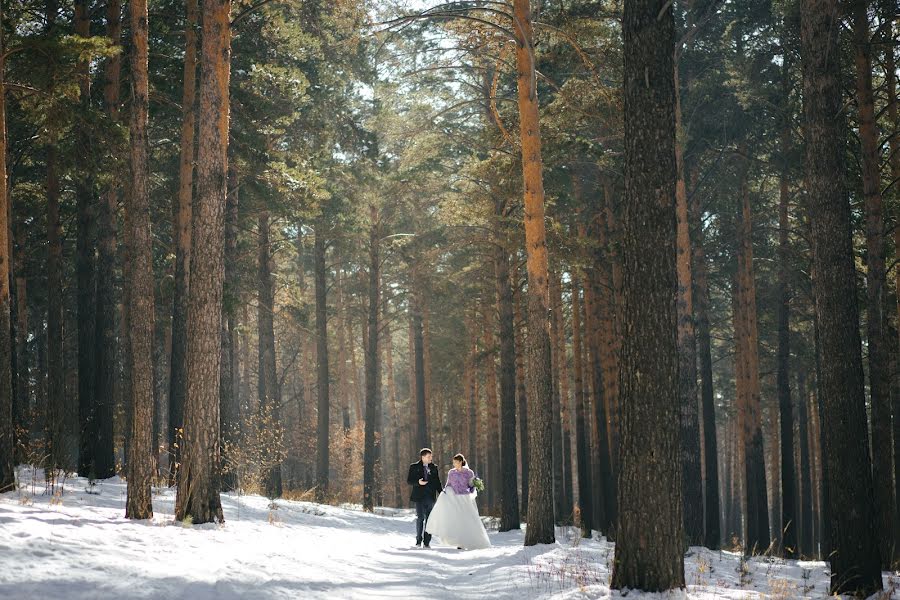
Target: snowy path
point(82, 547)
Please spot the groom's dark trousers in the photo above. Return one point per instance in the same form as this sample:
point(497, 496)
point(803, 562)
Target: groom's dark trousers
point(424, 496)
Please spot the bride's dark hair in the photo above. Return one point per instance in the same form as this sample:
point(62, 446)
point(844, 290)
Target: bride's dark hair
point(461, 459)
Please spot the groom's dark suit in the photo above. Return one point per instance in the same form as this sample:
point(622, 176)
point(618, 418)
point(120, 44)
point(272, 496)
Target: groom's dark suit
point(423, 495)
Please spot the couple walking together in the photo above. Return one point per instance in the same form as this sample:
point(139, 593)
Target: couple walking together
point(448, 512)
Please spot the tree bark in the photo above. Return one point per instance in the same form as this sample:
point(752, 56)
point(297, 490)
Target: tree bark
point(713, 529)
point(650, 531)
point(85, 264)
point(540, 431)
point(691, 476)
point(509, 491)
point(7, 433)
point(805, 521)
point(388, 350)
point(876, 326)
point(490, 466)
point(556, 332)
point(268, 385)
point(422, 433)
point(604, 485)
point(198, 476)
point(140, 294)
point(182, 231)
point(23, 412)
point(229, 401)
point(855, 561)
point(787, 535)
point(747, 337)
point(322, 376)
point(373, 366)
point(894, 146)
point(582, 450)
point(521, 394)
point(56, 407)
point(106, 340)
point(566, 496)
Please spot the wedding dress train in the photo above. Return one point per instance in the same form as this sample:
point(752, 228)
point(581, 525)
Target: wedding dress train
point(454, 519)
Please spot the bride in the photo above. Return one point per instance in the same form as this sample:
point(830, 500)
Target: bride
point(454, 517)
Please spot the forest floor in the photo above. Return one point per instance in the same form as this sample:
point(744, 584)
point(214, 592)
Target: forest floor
point(78, 545)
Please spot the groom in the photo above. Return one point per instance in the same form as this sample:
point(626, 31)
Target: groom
point(426, 485)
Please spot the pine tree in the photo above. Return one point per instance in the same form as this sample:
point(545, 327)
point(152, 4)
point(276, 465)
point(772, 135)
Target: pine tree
point(650, 531)
point(855, 562)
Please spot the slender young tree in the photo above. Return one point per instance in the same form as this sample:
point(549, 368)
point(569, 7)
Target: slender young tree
point(7, 463)
point(229, 380)
point(804, 479)
point(556, 332)
point(140, 281)
point(182, 230)
point(855, 562)
point(55, 418)
point(107, 342)
point(85, 262)
point(582, 455)
point(198, 476)
point(894, 145)
point(322, 376)
point(509, 493)
point(373, 366)
point(788, 535)
point(704, 349)
point(268, 387)
point(650, 533)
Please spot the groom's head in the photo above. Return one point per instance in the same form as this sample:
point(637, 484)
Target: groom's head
point(425, 455)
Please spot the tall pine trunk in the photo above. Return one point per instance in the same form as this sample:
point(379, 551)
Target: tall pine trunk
point(582, 445)
point(106, 340)
point(373, 366)
point(894, 145)
point(565, 497)
point(509, 491)
point(556, 332)
point(521, 394)
point(229, 381)
point(422, 432)
point(198, 476)
point(140, 281)
point(7, 449)
point(788, 534)
point(691, 477)
point(855, 561)
point(704, 350)
point(804, 479)
point(56, 407)
point(322, 377)
point(538, 374)
point(650, 531)
point(268, 385)
point(747, 339)
point(182, 231)
point(876, 325)
point(85, 264)
point(603, 481)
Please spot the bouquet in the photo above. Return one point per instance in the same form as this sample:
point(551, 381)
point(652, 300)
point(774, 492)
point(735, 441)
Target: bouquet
point(477, 483)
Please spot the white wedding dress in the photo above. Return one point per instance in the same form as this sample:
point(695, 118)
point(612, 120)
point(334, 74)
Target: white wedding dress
point(454, 519)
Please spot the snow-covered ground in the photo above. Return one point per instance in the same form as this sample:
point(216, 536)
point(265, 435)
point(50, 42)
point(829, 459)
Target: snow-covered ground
point(79, 545)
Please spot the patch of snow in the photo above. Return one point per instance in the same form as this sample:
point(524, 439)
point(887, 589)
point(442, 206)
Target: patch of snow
point(80, 546)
